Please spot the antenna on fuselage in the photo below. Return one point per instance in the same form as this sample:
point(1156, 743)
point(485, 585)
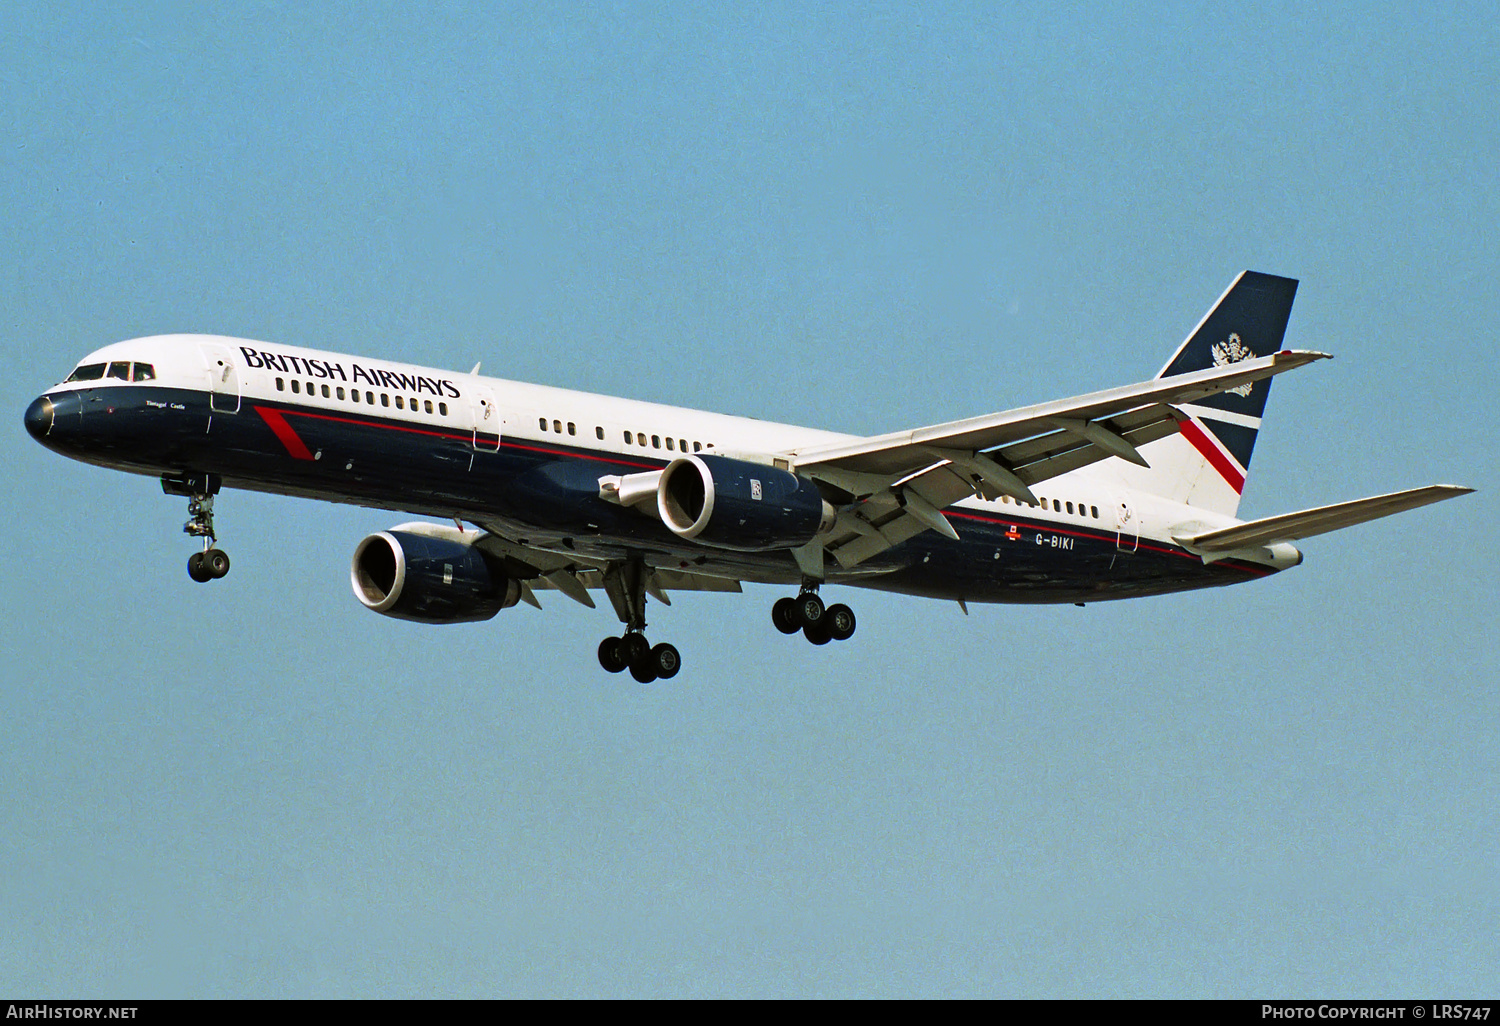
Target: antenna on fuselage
point(476, 368)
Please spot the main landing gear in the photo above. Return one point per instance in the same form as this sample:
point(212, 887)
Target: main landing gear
point(625, 584)
point(212, 563)
point(818, 623)
point(645, 661)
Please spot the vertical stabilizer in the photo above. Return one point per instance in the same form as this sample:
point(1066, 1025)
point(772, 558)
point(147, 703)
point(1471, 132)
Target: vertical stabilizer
point(1205, 465)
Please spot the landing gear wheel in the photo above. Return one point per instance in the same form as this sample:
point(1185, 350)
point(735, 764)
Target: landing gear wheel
point(840, 620)
point(216, 562)
point(817, 633)
point(644, 670)
point(612, 655)
point(809, 608)
point(197, 570)
point(784, 615)
point(635, 646)
point(665, 661)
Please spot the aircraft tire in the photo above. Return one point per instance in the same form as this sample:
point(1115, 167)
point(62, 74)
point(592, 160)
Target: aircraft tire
point(635, 646)
point(841, 622)
point(666, 661)
point(643, 670)
point(809, 609)
point(784, 615)
point(216, 562)
point(817, 633)
point(612, 655)
point(197, 570)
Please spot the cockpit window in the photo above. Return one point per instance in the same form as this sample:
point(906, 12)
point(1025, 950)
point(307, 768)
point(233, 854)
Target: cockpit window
point(144, 372)
point(119, 369)
point(87, 372)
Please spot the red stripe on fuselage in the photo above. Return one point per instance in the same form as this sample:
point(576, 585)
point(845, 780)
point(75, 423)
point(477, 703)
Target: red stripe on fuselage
point(1049, 527)
point(386, 425)
point(284, 432)
point(1215, 456)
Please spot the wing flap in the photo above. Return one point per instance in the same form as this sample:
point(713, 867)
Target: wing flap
point(666, 580)
point(1308, 522)
point(576, 576)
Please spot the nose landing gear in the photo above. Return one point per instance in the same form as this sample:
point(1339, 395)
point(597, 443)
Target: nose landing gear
point(212, 563)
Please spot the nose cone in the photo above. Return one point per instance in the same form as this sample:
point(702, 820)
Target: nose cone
point(39, 418)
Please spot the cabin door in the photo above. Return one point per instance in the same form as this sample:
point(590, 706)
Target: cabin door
point(1127, 527)
point(223, 378)
point(486, 421)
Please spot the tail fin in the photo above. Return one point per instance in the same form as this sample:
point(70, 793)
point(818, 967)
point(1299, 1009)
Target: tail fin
point(1206, 463)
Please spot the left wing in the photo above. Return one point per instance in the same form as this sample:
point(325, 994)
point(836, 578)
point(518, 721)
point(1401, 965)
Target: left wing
point(575, 576)
point(898, 484)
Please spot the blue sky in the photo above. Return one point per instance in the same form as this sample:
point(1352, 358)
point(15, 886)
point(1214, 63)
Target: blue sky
point(859, 218)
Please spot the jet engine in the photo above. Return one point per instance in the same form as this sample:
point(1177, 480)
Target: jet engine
point(732, 504)
point(430, 574)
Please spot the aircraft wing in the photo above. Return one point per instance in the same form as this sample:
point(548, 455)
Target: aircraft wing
point(899, 483)
point(575, 576)
point(1309, 522)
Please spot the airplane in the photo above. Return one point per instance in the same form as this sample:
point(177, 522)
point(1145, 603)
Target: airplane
point(1125, 492)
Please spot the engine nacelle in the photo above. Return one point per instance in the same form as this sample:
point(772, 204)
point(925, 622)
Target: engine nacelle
point(731, 504)
point(431, 574)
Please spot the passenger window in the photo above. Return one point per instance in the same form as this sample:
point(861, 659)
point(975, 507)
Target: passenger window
point(1095, 511)
point(280, 385)
point(340, 391)
point(370, 398)
point(120, 369)
point(354, 394)
point(427, 405)
point(398, 403)
point(571, 429)
point(541, 423)
point(443, 409)
point(1070, 507)
point(557, 426)
point(682, 444)
point(655, 442)
point(640, 438)
point(145, 372)
point(312, 389)
point(385, 399)
point(1056, 506)
point(669, 441)
point(325, 391)
point(697, 446)
point(296, 386)
point(600, 432)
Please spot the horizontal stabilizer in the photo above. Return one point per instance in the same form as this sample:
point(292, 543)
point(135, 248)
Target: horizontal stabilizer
point(1308, 522)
